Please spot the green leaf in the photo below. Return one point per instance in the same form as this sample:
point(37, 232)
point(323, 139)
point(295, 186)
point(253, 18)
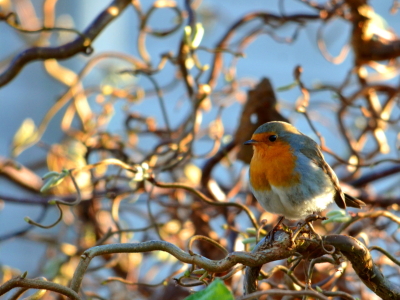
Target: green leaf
point(339, 216)
point(251, 230)
point(53, 179)
point(216, 290)
point(250, 240)
point(336, 213)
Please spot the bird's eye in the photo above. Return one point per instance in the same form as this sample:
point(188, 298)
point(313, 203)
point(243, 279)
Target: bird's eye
point(272, 138)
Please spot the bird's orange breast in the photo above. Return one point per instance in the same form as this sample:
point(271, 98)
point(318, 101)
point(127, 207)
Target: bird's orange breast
point(273, 164)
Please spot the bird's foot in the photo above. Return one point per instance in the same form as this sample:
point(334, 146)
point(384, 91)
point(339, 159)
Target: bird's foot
point(269, 238)
point(306, 226)
point(314, 217)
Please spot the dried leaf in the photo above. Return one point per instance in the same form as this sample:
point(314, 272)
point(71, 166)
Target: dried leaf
point(259, 109)
point(26, 134)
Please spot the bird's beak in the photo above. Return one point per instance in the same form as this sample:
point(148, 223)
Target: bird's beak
point(250, 142)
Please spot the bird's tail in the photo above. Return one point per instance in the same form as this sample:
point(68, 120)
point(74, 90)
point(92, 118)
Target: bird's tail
point(353, 202)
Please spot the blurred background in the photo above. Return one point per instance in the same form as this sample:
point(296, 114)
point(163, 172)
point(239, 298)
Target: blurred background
point(130, 100)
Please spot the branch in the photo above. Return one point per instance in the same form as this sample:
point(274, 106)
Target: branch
point(81, 44)
point(376, 50)
point(266, 18)
point(366, 44)
point(361, 260)
point(292, 294)
point(20, 174)
point(205, 198)
point(356, 252)
point(376, 175)
point(278, 251)
point(21, 281)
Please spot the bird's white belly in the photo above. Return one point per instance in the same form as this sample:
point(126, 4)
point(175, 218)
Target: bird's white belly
point(297, 202)
point(281, 202)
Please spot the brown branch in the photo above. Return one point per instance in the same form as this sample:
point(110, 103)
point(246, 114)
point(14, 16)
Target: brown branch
point(21, 281)
point(81, 44)
point(20, 174)
point(366, 46)
point(378, 201)
point(361, 260)
point(356, 252)
point(366, 179)
point(375, 50)
point(281, 293)
point(205, 198)
point(267, 18)
point(213, 161)
point(277, 252)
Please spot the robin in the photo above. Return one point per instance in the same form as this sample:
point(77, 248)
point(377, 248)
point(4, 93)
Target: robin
point(289, 175)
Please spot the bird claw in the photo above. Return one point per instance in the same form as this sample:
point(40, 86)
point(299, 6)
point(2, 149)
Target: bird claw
point(306, 226)
point(314, 217)
point(269, 238)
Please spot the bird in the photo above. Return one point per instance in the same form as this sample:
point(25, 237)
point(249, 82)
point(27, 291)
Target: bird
point(289, 175)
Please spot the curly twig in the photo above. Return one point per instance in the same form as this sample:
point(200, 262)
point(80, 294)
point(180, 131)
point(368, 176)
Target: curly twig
point(205, 198)
point(81, 44)
point(21, 281)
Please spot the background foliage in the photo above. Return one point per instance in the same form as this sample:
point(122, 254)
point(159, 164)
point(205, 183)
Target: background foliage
point(142, 155)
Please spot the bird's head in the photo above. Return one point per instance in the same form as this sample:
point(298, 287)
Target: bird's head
point(274, 136)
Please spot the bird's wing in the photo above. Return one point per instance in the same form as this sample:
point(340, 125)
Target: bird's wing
point(316, 156)
point(353, 202)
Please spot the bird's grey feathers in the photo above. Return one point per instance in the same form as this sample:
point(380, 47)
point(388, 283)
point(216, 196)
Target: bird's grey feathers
point(315, 155)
